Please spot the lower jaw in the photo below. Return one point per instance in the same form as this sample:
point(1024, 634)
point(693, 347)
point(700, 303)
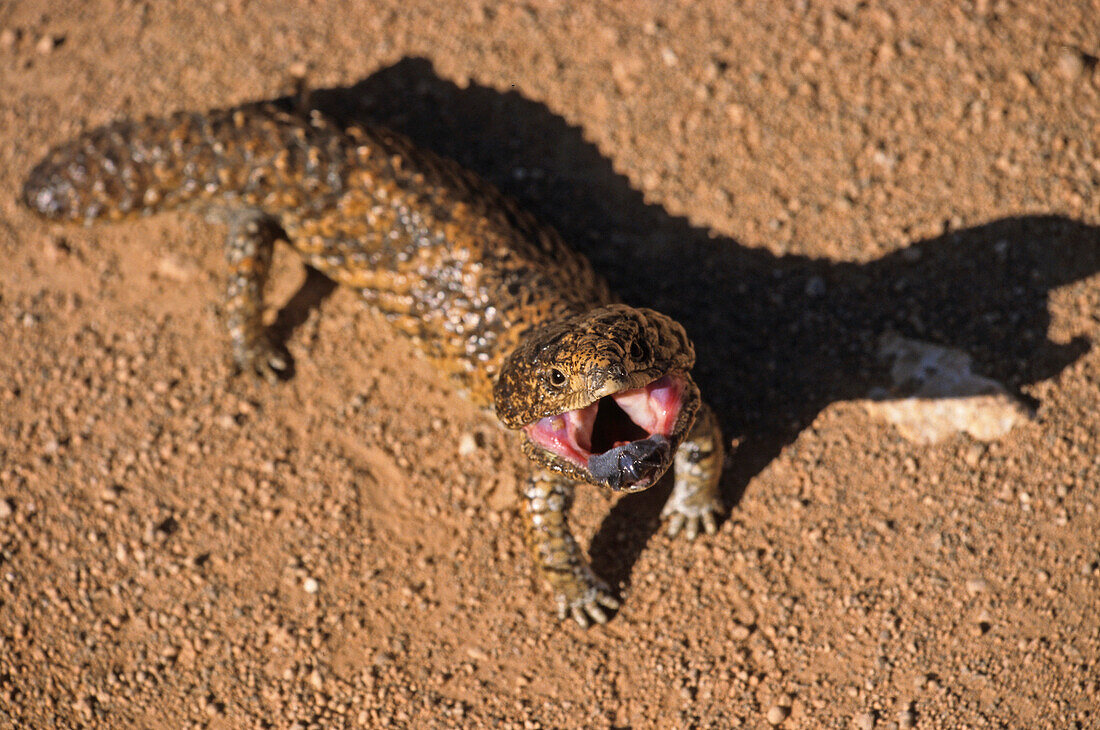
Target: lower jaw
point(637, 486)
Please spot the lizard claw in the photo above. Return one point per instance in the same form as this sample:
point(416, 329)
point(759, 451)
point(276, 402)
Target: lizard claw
point(690, 518)
point(588, 608)
point(265, 359)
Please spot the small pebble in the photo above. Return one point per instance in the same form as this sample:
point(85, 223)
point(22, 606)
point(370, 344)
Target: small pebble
point(310, 585)
point(864, 721)
point(777, 714)
point(1070, 64)
point(5, 509)
point(47, 43)
point(736, 114)
point(973, 456)
point(8, 37)
point(975, 586)
point(1019, 79)
point(906, 719)
point(176, 268)
point(467, 444)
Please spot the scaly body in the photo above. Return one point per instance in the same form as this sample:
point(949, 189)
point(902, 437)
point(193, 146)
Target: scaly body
point(450, 262)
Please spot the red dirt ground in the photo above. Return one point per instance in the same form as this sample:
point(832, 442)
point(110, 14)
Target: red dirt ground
point(179, 548)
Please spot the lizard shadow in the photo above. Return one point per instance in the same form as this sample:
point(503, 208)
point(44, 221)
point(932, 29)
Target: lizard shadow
point(293, 314)
point(778, 337)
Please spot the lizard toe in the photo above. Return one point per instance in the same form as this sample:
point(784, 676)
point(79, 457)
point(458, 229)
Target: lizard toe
point(265, 359)
point(591, 606)
point(692, 519)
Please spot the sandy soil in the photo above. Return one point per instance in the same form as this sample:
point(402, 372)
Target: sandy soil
point(182, 549)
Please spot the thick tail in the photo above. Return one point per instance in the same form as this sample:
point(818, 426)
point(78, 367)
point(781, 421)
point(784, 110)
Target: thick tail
point(251, 154)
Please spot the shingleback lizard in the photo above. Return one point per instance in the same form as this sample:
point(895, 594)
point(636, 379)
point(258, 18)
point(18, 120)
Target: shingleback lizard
point(597, 391)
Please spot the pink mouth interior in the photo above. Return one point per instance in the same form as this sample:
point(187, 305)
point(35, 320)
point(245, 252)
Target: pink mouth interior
point(614, 420)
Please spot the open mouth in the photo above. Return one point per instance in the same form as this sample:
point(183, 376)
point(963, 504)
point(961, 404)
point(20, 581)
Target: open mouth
point(621, 439)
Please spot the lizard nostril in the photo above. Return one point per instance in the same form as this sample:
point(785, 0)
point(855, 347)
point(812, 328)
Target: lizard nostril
point(598, 377)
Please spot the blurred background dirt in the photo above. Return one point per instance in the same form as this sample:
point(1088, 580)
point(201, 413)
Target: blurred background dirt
point(179, 548)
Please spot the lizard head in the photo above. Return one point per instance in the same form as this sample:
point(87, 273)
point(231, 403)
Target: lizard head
point(603, 397)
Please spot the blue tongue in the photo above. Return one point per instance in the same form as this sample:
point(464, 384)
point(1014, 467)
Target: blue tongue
point(625, 465)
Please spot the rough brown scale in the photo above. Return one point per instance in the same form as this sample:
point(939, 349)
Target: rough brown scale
point(491, 297)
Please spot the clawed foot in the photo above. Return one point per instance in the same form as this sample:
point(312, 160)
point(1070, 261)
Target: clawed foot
point(263, 358)
point(588, 607)
point(688, 517)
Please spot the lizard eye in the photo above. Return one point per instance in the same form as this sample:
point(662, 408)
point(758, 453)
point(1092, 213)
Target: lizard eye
point(557, 378)
point(638, 351)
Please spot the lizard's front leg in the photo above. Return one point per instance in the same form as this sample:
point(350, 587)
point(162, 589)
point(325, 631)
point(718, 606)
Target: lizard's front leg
point(695, 500)
point(577, 590)
point(249, 247)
